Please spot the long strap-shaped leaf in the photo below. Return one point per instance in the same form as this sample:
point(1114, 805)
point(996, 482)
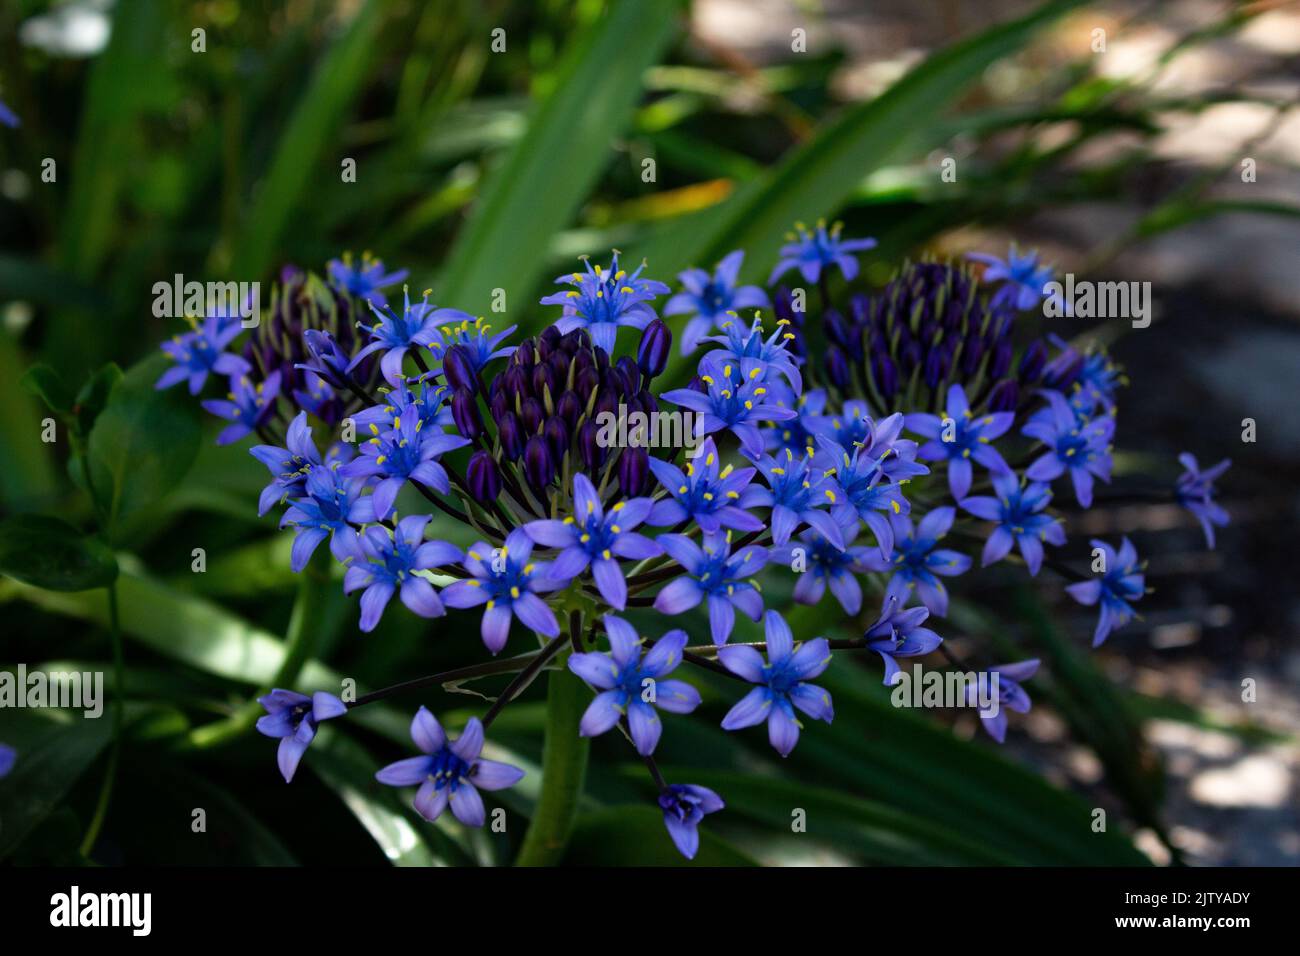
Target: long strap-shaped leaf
point(819, 176)
point(551, 170)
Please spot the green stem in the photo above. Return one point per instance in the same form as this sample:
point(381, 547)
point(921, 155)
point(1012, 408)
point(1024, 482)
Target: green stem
point(564, 767)
point(119, 704)
point(305, 624)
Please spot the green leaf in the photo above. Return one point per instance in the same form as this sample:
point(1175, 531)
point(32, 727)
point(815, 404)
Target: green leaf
point(47, 385)
point(141, 446)
point(635, 836)
point(549, 172)
point(54, 749)
point(93, 396)
point(817, 178)
point(306, 138)
point(870, 831)
point(49, 553)
point(349, 771)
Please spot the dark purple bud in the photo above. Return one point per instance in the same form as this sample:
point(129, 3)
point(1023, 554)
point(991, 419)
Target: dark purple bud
point(526, 354)
point(483, 477)
point(464, 410)
point(569, 408)
point(837, 330)
point(886, 375)
point(539, 468)
point(860, 309)
point(550, 337)
point(458, 368)
point(633, 471)
point(556, 434)
point(837, 366)
point(631, 373)
point(606, 403)
point(499, 405)
point(1005, 396)
point(656, 345)
point(1061, 372)
point(531, 414)
point(1032, 362)
point(936, 367)
point(510, 436)
point(589, 447)
point(586, 381)
point(514, 383)
point(646, 401)
point(543, 380)
point(1001, 363)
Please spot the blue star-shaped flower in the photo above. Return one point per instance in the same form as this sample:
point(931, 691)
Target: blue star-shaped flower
point(783, 683)
point(507, 582)
point(898, 633)
point(736, 399)
point(293, 718)
point(710, 297)
point(813, 251)
point(1021, 520)
point(384, 563)
point(200, 351)
point(592, 537)
point(797, 491)
point(1121, 583)
point(715, 574)
point(1022, 277)
point(404, 453)
point(819, 562)
point(602, 301)
point(450, 772)
point(715, 497)
point(1195, 492)
point(1081, 448)
point(917, 559)
point(246, 406)
point(960, 437)
point(363, 279)
point(631, 683)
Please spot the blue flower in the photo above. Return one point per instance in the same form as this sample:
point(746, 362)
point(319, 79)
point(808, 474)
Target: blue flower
point(384, 563)
point(474, 336)
point(861, 491)
point(684, 806)
point(394, 334)
point(961, 437)
point(604, 300)
point(246, 406)
point(328, 361)
point(798, 433)
point(819, 562)
point(714, 497)
point(736, 399)
point(200, 351)
point(709, 297)
point(632, 684)
point(817, 250)
point(430, 400)
point(364, 279)
point(783, 683)
point(405, 453)
point(713, 572)
point(1099, 379)
point(450, 772)
point(288, 466)
point(8, 756)
point(331, 505)
point(1121, 582)
point(796, 492)
point(898, 633)
point(1023, 279)
point(739, 342)
point(505, 580)
point(592, 538)
point(917, 560)
point(1196, 492)
point(1011, 696)
point(1083, 449)
point(293, 718)
point(1021, 521)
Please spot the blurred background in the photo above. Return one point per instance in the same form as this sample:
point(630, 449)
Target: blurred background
point(1150, 141)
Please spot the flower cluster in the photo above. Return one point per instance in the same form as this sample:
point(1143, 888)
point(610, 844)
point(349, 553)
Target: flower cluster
point(932, 428)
